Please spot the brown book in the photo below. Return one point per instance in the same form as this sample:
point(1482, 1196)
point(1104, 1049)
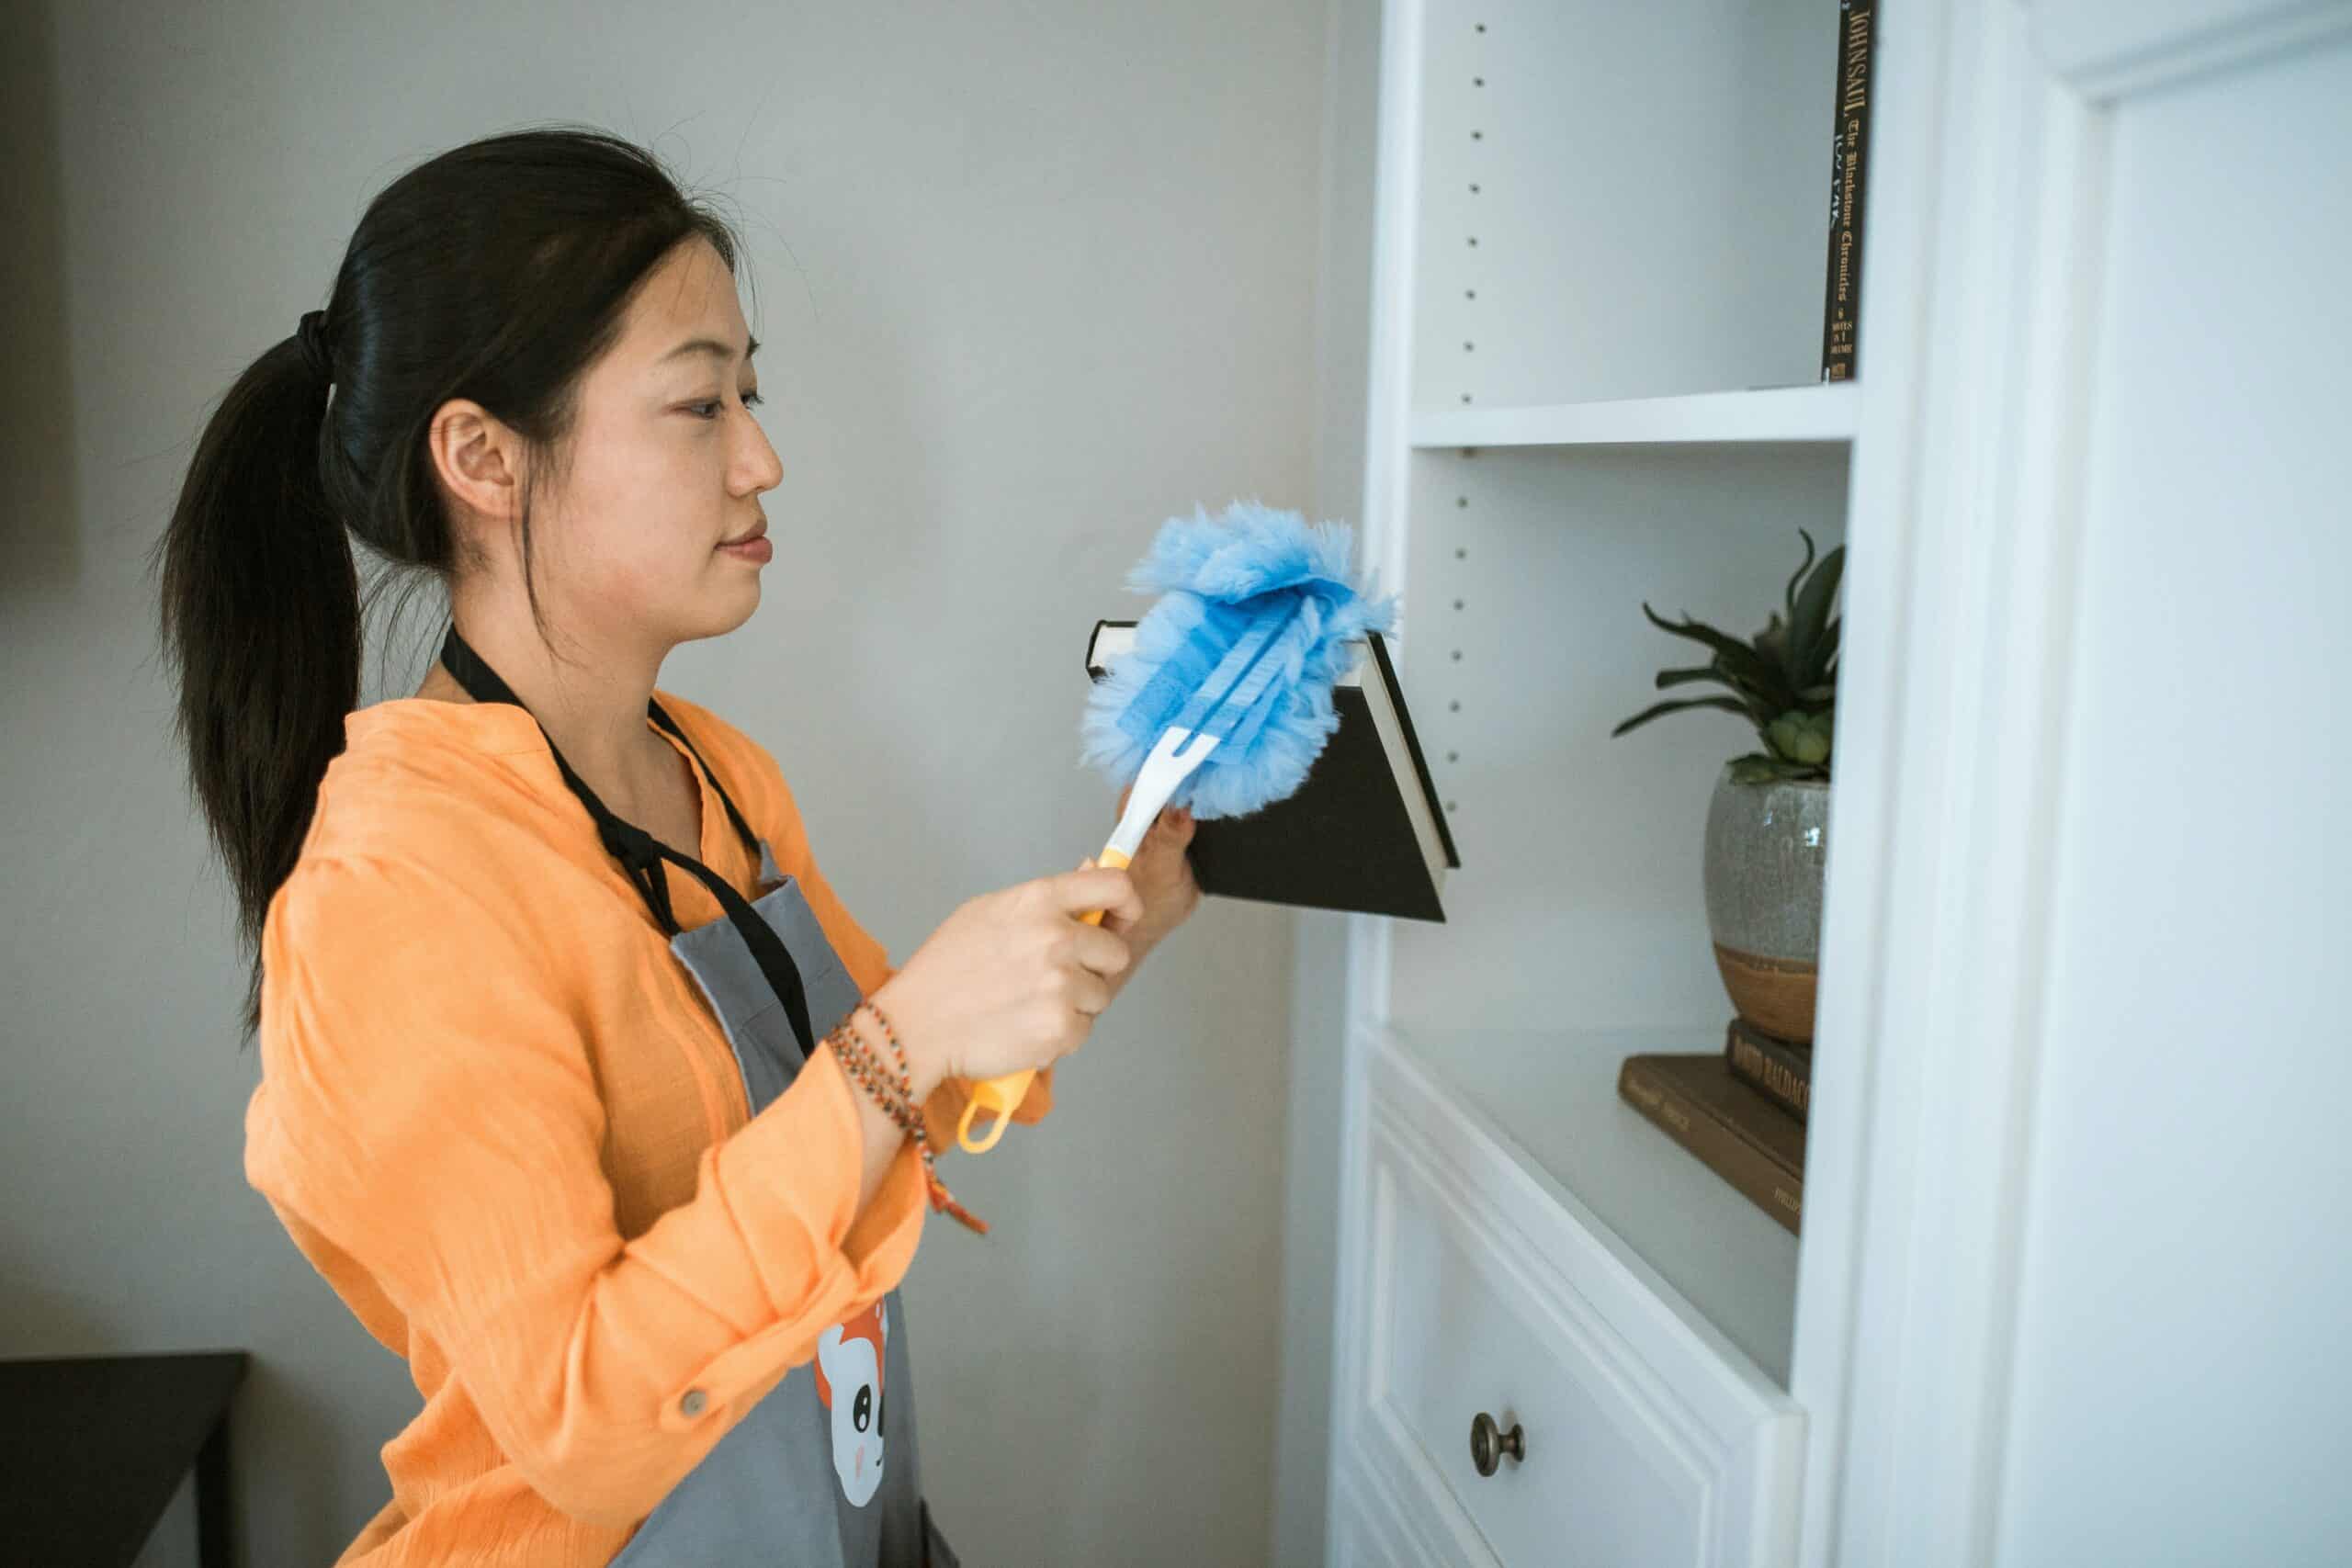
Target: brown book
point(1733, 1129)
point(1782, 1069)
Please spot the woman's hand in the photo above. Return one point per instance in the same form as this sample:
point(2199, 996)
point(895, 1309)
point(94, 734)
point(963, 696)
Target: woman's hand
point(1163, 879)
point(1014, 979)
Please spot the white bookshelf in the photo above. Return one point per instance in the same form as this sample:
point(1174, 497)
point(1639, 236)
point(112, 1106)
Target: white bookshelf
point(1595, 382)
point(1598, 294)
point(2066, 395)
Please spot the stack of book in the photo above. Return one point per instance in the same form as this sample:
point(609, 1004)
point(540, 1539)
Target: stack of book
point(1741, 1111)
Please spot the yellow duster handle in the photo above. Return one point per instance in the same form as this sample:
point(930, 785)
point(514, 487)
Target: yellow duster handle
point(1001, 1094)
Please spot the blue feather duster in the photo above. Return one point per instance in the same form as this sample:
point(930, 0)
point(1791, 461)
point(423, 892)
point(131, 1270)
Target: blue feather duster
point(1225, 700)
point(1254, 569)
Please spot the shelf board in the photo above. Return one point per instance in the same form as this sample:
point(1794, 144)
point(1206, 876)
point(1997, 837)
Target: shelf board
point(1554, 1094)
point(1822, 412)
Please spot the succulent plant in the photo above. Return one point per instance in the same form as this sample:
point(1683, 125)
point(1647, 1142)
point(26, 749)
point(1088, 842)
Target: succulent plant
point(1783, 679)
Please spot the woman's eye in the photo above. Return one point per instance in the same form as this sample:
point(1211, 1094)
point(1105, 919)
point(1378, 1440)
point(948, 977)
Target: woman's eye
point(710, 410)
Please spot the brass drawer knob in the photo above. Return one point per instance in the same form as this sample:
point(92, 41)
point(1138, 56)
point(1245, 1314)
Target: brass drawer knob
point(1489, 1442)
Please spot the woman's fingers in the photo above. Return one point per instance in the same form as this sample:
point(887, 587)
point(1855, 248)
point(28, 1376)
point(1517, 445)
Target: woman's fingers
point(1104, 888)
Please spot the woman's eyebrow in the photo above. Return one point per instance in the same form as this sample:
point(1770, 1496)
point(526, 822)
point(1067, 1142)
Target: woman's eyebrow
point(709, 345)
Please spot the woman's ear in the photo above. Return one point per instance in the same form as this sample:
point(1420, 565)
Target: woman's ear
point(478, 461)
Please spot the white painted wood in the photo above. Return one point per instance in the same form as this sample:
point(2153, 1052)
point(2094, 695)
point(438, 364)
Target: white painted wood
point(1996, 233)
point(1824, 412)
point(1487, 1286)
point(1579, 903)
point(1365, 1488)
point(1383, 533)
point(2105, 48)
point(1576, 539)
point(1550, 1097)
point(2097, 349)
point(1385, 524)
point(1447, 1344)
point(1979, 657)
point(1380, 1528)
point(2182, 1267)
point(1651, 203)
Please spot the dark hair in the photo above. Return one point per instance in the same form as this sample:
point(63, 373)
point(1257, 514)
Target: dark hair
point(498, 271)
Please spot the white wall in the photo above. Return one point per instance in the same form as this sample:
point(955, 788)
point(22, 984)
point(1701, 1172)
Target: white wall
point(1034, 277)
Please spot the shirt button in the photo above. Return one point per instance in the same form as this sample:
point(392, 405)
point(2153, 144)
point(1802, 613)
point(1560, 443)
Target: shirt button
point(694, 1401)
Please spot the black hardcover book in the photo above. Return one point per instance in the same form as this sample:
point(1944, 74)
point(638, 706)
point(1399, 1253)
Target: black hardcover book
point(1848, 158)
point(1365, 833)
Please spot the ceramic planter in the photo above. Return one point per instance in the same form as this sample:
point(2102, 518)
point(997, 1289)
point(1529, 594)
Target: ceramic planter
point(1766, 846)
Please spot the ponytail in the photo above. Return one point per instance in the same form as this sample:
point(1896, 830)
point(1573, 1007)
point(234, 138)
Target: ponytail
point(261, 622)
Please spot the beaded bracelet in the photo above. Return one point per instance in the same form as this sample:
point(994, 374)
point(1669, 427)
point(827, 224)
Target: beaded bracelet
point(897, 1100)
point(857, 1059)
point(941, 1198)
point(860, 1058)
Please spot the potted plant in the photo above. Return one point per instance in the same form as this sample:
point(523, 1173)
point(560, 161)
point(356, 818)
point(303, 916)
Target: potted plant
point(1767, 824)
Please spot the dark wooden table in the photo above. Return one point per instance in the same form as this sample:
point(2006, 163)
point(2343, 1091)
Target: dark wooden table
point(91, 1450)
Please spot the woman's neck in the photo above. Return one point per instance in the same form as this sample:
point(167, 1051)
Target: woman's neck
point(591, 702)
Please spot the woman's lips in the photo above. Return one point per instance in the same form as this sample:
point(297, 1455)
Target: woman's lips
point(752, 547)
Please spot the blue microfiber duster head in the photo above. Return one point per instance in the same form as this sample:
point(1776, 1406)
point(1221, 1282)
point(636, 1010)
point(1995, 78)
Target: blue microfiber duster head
point(1220, 578)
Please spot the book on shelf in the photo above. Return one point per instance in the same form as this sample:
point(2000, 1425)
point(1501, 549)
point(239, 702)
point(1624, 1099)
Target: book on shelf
point(1782, 1069)
point(1728, 1124)
point(1848, 159)
point(1365, 833)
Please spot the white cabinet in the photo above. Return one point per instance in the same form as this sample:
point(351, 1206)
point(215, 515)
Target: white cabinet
point(1597, 291)
point(1486, 1290)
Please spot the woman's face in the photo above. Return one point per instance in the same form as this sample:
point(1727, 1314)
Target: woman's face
point(647, 538)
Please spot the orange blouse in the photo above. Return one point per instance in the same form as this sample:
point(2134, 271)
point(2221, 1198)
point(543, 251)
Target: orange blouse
point(498, 1116)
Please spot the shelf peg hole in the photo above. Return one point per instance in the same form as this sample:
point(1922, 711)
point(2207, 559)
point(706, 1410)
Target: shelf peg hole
point(1459, 553)
point(1454, 756)
point(1460, 501)
point(1453, 706)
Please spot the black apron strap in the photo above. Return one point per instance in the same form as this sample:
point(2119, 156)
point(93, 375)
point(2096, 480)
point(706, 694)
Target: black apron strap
point(640, 853)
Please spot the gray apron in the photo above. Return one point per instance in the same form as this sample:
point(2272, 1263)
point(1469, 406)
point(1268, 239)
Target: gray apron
point(823, 1473)
point(823, 1470)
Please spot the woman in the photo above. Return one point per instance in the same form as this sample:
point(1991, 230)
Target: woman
point(543, 962)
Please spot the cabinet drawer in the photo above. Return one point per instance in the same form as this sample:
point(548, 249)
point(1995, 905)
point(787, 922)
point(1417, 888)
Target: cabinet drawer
point(1458, 1336)
point(1475, 1294)
point(1368, 1532)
